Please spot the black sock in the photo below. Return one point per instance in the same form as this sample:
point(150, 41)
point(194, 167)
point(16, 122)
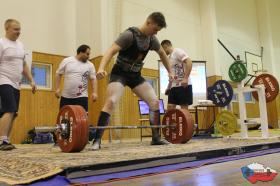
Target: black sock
point(154, 117)
point(103, 120)
point(155, 120)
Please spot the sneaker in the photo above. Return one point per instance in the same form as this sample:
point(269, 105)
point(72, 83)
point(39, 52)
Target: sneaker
point(6, 146)
point(159, 141)
point(96, 144)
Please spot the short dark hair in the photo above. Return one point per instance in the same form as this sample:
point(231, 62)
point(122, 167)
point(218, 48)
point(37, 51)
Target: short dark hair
point(158, 18)
point(166, 42)
point(82, 48)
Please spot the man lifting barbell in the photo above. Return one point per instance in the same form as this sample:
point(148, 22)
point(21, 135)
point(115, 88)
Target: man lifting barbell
point(133, 45)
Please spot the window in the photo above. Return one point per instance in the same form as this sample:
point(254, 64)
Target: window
point(41, 73)
point(247, 95)
point(153, 82)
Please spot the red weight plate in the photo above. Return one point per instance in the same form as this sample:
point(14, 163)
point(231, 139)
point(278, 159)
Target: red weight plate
point(271, 86)
point(183, 131)
point(85, 128)
point(76, 117)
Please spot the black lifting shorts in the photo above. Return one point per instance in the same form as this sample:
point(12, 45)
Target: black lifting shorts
point(9, 99)
point(131, 79)
point(181, 95)
point(82, 101)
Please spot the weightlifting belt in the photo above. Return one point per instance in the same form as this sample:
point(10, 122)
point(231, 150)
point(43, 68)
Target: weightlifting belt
point(135, 67)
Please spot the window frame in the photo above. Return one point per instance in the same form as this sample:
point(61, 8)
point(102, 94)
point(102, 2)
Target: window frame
point(49, 77)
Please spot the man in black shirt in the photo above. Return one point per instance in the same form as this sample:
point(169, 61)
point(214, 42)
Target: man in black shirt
point(132, 47)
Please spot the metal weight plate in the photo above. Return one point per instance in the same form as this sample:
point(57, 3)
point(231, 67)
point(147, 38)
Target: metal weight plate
point(237, 71)
point(271, 86)
point(84, 130)
point(226, 123)
point(209, 93)
point(76, 118)
point(183, 131)
point(221, 93)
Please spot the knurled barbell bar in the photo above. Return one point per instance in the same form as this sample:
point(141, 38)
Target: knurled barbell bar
point(63, 127)
point(72, 127)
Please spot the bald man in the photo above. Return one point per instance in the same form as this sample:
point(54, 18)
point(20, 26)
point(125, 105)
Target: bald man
point(12, 66)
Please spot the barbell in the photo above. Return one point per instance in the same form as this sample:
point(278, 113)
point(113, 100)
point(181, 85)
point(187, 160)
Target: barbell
point(72, 128)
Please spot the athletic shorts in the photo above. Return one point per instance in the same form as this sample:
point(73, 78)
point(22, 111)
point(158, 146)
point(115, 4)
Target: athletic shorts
point(131, 79)
point(9, 99)
point(83, 101)
point(181, 95)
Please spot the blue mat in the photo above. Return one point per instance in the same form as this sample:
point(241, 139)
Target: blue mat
point(53, 181)
point(168, 168)
point(63, 181)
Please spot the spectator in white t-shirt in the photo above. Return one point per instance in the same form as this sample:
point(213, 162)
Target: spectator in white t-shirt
point(179, 90)
point(77, 71)
point(12, 66)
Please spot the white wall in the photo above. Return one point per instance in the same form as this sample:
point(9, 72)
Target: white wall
point(47, 26)
point(183, 24)
point(209, 36)
point(274, 6)
point(59, 26)
point(237, 24)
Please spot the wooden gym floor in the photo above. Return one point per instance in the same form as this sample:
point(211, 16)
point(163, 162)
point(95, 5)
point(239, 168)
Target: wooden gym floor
point(221, 174)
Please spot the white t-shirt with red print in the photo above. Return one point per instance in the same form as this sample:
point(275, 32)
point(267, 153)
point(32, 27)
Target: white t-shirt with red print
point(76, 74)
point(12, 56)
point(177, 66)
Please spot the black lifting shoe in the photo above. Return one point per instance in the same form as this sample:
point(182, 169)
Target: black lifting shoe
point(96, 144)
point(156, 140)
point(159, 141)
point(6, 146)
